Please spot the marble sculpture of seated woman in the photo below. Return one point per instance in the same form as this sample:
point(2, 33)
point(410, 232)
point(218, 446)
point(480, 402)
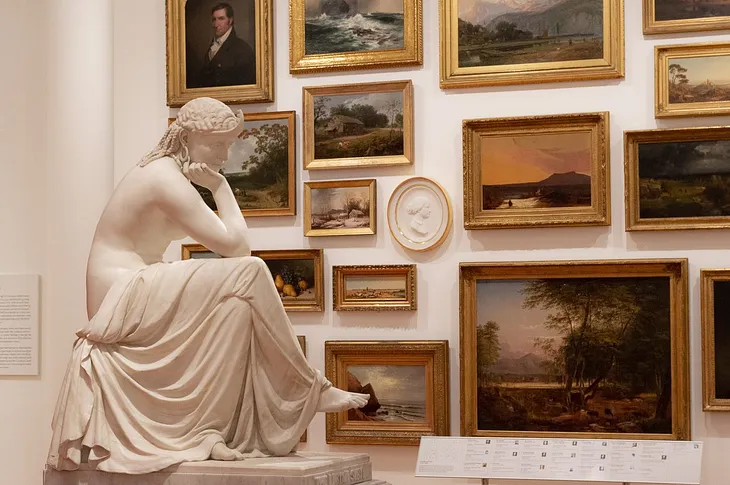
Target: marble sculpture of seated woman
point(189, 360)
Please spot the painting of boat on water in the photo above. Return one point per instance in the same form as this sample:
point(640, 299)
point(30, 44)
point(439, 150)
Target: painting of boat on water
point(334, 26)
point(503, 32)
point(397, 392)
point(527, 171)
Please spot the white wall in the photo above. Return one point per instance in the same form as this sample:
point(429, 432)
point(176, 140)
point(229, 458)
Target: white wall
point(48, 210)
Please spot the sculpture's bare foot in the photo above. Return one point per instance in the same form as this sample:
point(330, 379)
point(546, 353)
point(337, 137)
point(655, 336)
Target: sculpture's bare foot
point(223, 453)
point(334, 400)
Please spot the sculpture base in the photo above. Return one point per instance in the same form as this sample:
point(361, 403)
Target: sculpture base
point(302, 468)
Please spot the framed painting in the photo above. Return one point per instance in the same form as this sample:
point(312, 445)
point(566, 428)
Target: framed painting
point(298, 274)
point(340, 208)
point(374, 287)
point(692, 80)
point(303, 344)
point(408, 383)
point(673, 16)
point(581, 349)
point(328, 36)
point(677, 179)
point(715, 300)
point(537, 171)
point(222, 50)
point(261, 168)
point(500, 42)
point(358, 125)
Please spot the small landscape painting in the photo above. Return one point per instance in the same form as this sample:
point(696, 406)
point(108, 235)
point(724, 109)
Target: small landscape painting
point(358, 125)
point(504, 32)
point(293, 278)
point(684, 179)
point(699, 79)
point(588, 355)
point(721, 302)
point(690, 9)
point(383, 287)
point(340, 207)
point(536, 171)
point(397, 392)
point(334, 26)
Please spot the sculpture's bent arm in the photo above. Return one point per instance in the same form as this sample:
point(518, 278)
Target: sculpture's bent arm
point(226, 235)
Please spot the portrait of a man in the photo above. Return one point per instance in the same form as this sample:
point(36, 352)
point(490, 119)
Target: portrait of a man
point(220, 43)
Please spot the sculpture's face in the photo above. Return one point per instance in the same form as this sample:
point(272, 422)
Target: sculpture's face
point(221, 22)
point(426, 211)
point(211, 150)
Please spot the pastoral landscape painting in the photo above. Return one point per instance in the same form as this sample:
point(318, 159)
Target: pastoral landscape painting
point(690, 9)
point(334, 26)
point(260, 166)
point(505, 32)
point(340, 207)
point(358, 125)
point(684, 179)
point(397, 392)
point(536, 171)
point(293, 278)
point(699, 79)
point(587, 355)
point(375, 287)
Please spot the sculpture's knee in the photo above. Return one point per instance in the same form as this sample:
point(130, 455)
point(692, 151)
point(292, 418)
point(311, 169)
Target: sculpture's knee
point(258, 264)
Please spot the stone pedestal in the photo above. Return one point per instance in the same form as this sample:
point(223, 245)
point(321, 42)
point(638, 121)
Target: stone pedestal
point(302, 468)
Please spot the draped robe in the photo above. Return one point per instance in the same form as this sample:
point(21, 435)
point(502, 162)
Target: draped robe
point(179, 357)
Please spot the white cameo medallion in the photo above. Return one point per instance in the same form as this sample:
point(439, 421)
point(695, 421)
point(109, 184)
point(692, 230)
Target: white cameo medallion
point(419, 214)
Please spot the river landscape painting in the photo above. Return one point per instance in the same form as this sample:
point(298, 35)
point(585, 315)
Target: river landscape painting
point(699, 79)
point(397, 392)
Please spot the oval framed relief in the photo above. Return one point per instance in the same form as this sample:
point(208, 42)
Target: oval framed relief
point(419, 214)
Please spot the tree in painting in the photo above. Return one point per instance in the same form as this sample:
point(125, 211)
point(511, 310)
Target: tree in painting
point(699, 80)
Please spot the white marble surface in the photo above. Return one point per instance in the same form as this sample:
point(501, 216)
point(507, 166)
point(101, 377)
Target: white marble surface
point(304, 468)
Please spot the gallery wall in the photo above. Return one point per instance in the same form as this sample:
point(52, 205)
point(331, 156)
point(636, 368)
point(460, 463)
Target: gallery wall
point(81, 112)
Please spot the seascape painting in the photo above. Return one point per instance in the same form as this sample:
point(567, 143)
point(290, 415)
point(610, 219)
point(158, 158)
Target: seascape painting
point(397, 392)
point(684, 179)
point(573, 355)
point(690, 9)
point(336, 26)
point(358, 125)
point(340, 207)
point(375, 287)
point(506, 32)
point(699, 79)
point(721, 330)
point(527, 171)
point(293, 278)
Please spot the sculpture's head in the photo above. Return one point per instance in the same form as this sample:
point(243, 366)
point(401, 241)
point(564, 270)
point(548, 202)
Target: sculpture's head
point(419, 205)
point(203, 132)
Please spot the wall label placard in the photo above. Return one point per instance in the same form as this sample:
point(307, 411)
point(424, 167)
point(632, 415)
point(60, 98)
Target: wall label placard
point(641, 461)
point(19, 317)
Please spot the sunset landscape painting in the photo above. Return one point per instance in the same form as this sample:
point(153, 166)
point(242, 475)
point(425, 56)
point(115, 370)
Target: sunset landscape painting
point(526, 171)
point(699, 79)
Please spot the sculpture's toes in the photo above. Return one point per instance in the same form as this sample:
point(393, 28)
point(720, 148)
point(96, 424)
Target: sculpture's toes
point(223, 453)
point(359, 400)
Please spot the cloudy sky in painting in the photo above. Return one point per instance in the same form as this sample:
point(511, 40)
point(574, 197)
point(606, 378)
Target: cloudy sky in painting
point(531, 158)
point(377, 100)
point(700, 69)
point(334, 198)
point(375, 282)
point(363, 6)
point(393, 382)
point(483, 11)
point(241, 150)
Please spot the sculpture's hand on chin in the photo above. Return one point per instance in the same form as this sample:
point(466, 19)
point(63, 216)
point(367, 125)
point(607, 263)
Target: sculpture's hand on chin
point(201, 174)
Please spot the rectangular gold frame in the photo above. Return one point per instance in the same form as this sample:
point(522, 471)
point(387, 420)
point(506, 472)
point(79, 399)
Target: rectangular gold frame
point(609, 67)
point(598, 214)
point(303, 344)
point(357, 231)
point(308, 94)
point(261, 92)
point(315, 254)
point(407, 271)
point(433, 354)
point(653, 26)
point(663, 55)
point(632, 139)
point(710, 401)
point(410, 55)
point(674, 269)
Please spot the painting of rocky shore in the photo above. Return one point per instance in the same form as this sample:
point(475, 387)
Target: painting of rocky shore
point(397, 392)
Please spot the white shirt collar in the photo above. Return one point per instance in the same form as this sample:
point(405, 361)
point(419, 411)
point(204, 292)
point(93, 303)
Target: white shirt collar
point(223, 37)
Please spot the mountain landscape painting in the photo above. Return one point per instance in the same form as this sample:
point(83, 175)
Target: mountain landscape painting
point(690, 9)
point(699, 79)
point(536, 171)
point(584, 354)
point(504, 32)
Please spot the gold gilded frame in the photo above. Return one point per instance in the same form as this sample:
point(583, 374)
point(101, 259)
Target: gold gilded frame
point(410, 55)
point(406, 271)
point(278, 254)
point(598, 214)
point(610, 66)
point(674, 269)
point(308, 94)
point(632, 140)
point(663, 58)
point(710, 401)
point(653, 26)
point(177, 91)
point(303, 344)
point(433, 354)
point(332, 184)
